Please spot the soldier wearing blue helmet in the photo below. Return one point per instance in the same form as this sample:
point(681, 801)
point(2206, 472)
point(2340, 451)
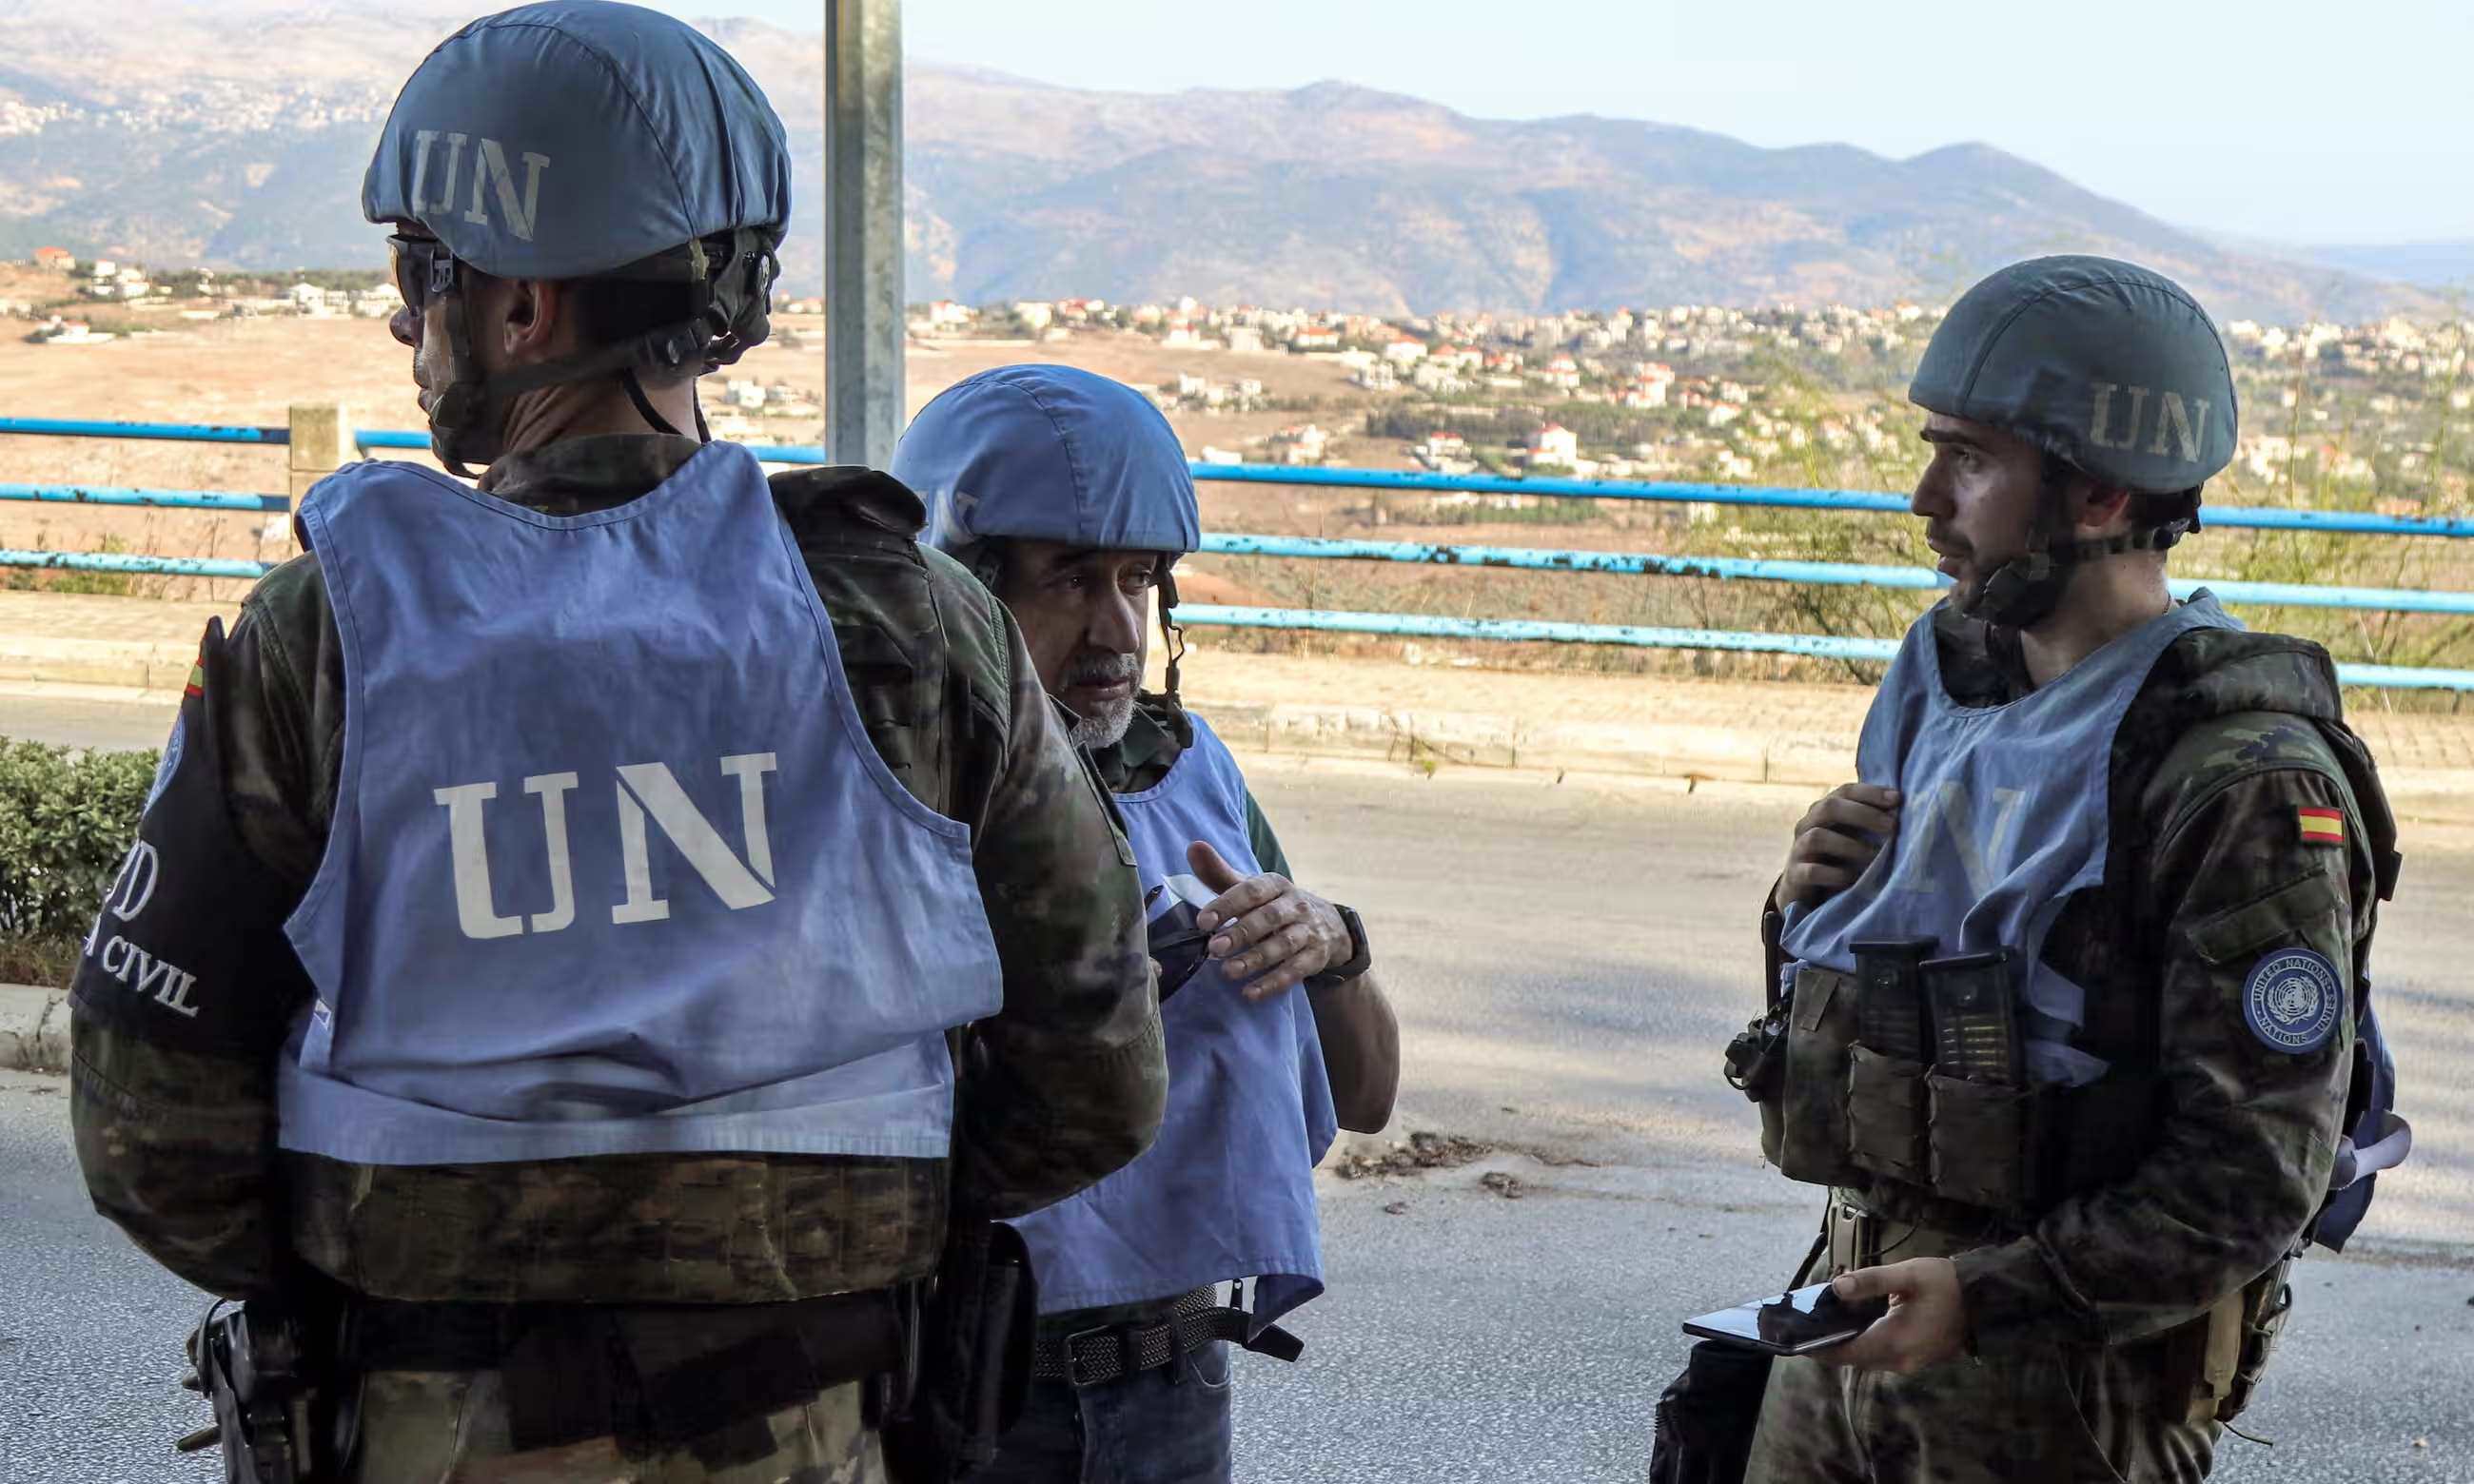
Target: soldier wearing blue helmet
point(605, 929)
point(2067, 997)
point(1069, 494)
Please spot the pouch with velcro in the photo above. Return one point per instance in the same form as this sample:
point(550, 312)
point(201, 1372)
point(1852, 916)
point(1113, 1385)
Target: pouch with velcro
point(1977, 1140)
point(1812, 1115)
point(1885, 1115)
point(2284, 914)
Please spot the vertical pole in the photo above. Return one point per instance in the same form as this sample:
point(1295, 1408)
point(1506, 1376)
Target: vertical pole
point(863, 297)
point(321, 443)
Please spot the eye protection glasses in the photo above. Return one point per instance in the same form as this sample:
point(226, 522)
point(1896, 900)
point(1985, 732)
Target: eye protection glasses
point(423, 270)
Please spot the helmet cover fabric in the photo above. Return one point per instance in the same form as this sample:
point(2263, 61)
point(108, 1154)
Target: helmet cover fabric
point(564, 140)
point(2115, 368)
point(1050, 453)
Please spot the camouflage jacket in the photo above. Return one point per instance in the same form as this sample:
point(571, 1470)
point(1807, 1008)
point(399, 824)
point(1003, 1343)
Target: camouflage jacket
point(174, 1095)
point(2208, 872)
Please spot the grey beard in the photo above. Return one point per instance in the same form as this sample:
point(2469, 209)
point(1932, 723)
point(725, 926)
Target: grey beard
point(1108, 727)
point(1106, 730)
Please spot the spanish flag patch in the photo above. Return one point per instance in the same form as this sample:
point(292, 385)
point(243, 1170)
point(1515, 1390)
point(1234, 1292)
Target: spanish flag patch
point(197, 685)
point(2322, 826)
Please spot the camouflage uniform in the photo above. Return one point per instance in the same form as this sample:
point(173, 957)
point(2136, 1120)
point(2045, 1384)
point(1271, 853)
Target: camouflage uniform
point(173, 1105)
point(2084, 1324)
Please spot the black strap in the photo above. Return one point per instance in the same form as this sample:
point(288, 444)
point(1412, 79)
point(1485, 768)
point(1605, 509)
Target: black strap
point(672, 1373)
point(1107, 1352)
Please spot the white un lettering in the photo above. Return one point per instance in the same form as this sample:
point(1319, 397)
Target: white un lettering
point(489, 167)
point(645, 790)
point(2180, 426)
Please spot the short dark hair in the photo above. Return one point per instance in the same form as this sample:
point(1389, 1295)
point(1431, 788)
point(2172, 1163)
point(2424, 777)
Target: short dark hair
point(2148, 509)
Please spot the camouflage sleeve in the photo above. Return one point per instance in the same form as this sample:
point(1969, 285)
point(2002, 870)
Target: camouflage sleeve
point(1069, 1080)
point(181, 1002)
point(2258, 915)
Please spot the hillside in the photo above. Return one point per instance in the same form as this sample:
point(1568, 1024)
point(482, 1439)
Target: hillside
point(235, 135)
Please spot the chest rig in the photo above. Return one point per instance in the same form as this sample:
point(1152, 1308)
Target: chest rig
point(1927, 1043)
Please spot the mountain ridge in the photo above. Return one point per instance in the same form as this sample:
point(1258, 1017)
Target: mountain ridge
point(246, 150)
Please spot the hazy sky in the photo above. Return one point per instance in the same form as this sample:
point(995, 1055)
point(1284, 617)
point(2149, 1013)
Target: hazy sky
point(2303, 120)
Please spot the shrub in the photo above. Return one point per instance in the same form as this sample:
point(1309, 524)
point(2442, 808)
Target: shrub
point(66, 819)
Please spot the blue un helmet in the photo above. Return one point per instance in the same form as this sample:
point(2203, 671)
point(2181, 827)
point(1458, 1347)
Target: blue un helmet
point(1051, 453)
point(2108, 369)
point(584, 139)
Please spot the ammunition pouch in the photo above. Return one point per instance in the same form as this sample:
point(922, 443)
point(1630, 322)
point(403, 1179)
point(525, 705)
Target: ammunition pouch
point(1888, 1115)
point(2227, 1348)
point(1813, 1137)
point(1957, 1125)
point(1979, 1142)
point(969, 1370)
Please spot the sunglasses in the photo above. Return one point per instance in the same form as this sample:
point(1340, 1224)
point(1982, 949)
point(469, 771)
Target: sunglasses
point(423, 270)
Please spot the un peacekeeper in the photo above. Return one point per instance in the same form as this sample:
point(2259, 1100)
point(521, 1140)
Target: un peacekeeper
point(545, 930)
point(2071, 982)
point(1069, 494)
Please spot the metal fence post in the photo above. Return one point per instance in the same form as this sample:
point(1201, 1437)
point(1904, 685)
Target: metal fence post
point(321, 443)
point(863, 293)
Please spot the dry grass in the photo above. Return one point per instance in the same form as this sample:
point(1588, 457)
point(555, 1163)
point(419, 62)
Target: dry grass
point(250, 371)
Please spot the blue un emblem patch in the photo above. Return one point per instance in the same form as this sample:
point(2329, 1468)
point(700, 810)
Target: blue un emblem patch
point(2292, 1000)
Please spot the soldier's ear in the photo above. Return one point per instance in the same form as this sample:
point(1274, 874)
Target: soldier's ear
point(535, 309)
point(2094, 506)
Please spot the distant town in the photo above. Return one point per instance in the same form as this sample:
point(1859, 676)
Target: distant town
point(2374, 412)
point(2370, 416)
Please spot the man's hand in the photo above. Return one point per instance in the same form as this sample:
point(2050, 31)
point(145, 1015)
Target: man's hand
point(1834, 841)
point(1926, 1326)
point(1270, 933)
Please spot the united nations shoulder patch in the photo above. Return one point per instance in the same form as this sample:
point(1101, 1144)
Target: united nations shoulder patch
point(2292, 1000)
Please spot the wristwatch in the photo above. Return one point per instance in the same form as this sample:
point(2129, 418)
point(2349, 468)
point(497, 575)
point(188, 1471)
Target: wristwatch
point(1360, 958)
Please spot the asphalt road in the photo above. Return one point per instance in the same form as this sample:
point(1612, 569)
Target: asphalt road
point(1567, 958)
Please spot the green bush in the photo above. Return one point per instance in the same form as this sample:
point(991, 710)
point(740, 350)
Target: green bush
point(66, 819)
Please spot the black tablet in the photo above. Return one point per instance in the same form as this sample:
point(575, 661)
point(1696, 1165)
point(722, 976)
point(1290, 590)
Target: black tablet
point(1790, 1324)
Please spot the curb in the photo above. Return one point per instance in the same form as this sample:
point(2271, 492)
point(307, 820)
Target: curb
point(34, 1029)
point(1482, 740)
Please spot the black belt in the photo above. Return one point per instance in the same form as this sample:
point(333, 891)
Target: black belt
point(1106, 1353)
point(672, 1372)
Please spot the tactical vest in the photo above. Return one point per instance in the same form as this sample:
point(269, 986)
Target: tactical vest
point(1228, 1190)
point(613, 867)
point(1925, 1075)
point(1928, 1046)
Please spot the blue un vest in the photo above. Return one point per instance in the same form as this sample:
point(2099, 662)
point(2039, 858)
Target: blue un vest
point(1228, 1191)
point(614, 867)
point(2003, 814)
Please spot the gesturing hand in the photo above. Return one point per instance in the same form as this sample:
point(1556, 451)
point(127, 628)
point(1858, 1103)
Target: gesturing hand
point(1268, 932)
point(1834, 841)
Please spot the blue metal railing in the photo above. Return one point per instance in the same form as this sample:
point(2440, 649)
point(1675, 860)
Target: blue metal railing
point(1636, 564)
point(149, 566)
point(1817, 646)
point(172, 432)
point(2405, 600)
point(2341, 522)
point(177, 499)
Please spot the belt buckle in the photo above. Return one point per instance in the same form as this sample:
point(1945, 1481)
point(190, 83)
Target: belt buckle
point(1074, 1375)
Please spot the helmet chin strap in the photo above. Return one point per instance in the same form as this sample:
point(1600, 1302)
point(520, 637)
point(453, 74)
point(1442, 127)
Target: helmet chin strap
point(2024, 591)
point(465, 421)
point(1172, 634)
